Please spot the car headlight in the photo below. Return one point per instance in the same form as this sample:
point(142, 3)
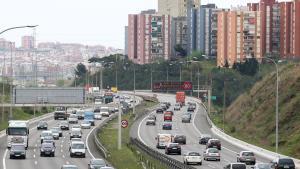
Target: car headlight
point(42, 150)
point(52, 150)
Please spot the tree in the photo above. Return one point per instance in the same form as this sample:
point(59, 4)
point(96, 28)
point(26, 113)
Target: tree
point(60, 83)
point(80, 70)
point(178, 48)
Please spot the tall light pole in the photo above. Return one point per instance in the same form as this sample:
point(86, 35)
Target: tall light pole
point(12, 83)
point(133, 110)
point(5, 30)
point(277, 98)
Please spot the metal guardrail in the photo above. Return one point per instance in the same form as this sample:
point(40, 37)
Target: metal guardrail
point(168, 161)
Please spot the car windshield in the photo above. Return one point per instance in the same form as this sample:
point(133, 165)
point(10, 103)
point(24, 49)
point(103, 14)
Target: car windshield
point(286, 161)
point(73, 116)
point(70, 168)
point(47, 145)
point(173, 145)
point(78, 146)
point(98, 162)
point(76, 132)
point(238, 166)
point(17, 131)
point(42, 123)
point(54, 131)
point(46, 134)
point(213, 150)
point(76, 126)
point(85, 122)
point(247, 154)
point(18, 147)
point(215, 141)
point(194, 154)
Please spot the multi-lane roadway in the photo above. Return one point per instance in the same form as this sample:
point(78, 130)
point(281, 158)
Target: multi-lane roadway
point(192, 131)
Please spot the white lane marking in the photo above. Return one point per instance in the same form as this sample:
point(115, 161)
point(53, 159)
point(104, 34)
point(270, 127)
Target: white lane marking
point(211, 166)
point(35, 162)
point(3, 160)
point(139, 129)
point(33, 150)
point(63, 156)
point(33, 155)
point(67, 162)
point(61, 150)
point(86, 142)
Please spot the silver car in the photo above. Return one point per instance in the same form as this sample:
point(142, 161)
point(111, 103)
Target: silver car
point(212, 154)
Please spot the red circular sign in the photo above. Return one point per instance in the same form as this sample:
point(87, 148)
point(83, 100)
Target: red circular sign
point(124, 123)
point(187, 85)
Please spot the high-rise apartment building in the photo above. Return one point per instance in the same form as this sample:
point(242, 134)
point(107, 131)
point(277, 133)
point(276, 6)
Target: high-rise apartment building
point(179, 34)
point(6, 45)
point(280, 25)
point(175, 8)
point(126, 41)
point(28, 42)
point(148, 37)
point(238, 36)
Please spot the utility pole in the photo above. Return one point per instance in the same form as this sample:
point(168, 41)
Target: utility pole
point(133, 110)
point(198, 74)
point(3, 87)
point(192, 80)
point(119, 126)
point(224, 104)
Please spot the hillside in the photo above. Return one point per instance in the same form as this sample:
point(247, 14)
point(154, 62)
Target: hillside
point(251, 117)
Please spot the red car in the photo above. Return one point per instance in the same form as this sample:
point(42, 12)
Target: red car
point(167, 117)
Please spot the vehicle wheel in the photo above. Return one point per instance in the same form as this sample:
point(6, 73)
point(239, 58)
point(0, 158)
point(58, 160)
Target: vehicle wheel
point(200, 163)
point(41, 155)
point(10, 157)
point(24, 157)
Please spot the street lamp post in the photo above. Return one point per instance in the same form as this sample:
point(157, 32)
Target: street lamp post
point(133, 110)
point(5, 30)
point(277, 98)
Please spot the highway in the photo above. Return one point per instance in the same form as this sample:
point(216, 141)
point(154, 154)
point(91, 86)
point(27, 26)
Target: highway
point(33, 159)
point(192, 131)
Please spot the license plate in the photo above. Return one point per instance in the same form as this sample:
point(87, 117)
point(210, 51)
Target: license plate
point(78, 153)
point(17, 155)
point(286, 166)
point(174, 148)
point(248, 159)
point(47, 152)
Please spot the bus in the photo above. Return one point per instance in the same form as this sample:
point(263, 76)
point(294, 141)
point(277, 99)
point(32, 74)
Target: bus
point(17, 132)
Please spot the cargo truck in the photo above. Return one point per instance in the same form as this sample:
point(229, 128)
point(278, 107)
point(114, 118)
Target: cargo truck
point(180, 98)
point(17, 132)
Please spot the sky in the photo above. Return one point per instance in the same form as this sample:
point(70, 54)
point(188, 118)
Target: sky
point(89, 22)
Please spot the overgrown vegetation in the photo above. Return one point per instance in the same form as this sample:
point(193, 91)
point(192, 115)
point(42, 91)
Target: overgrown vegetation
point(251, 117)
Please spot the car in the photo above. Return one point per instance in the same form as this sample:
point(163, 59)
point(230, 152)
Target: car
point(179, 138)
point(76, 126)
point(79, 114)
point(69, 167)
point(104, 111)
point(59, 130)
point(185, 118)
point(77, 148)
point(64, 125)
point(106, 168)
point(168, 116)
point(190, 109)
point(96, 163)
point(188, 114)
point(85, 124)
point(98, 101)
point(159, 111)
point(151, 121)
point(235, 166)
point(283, 163)
point(44, 134)
point(48, 139)
point(47, 149)
point(246, 157)
point(211, 154)
point(152, 116)
point(164, 106)
point(42, 125)
point(214, 143)
point(17, 151)
point(167, 126)
point(192, 158)
point(177, 107)
point(75, 133)
point(204, 138)
point(173, 148)
point(97, 114)
point(262, 166)
point(73, 119)
point(55, 134)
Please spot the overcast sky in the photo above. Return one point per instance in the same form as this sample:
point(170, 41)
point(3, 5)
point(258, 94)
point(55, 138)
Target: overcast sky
point(88, 22)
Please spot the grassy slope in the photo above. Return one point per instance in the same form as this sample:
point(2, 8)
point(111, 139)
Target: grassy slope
point(252, 116)
point(124, 158)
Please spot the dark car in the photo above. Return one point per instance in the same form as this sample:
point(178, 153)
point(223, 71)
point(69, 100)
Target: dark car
point(246, 157)
point(181, 139)
point(47, 149)
point(48, 139)
point(262, 166)
point(96, 164)
point(214, 143)
point(64, 125)
point(173, 148)
point(204, 138)
point(42, 125)
point(283, 163)
point(160, 110)
point(17, 151)
point(167, 126)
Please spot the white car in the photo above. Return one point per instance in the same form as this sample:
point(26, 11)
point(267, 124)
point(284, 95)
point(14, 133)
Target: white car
point(98, 101)
point(177, 107)
point(77, 148)
point(192, 158)
point(76, 126)
point(85, 124)
point(97, 116)
point(45, 134)
point(104, 112)
point(73, 119)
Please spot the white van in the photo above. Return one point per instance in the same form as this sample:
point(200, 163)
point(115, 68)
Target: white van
point(163, 140)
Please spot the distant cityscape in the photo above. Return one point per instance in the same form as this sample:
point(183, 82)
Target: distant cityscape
point(46, 62)
point(182, 27)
